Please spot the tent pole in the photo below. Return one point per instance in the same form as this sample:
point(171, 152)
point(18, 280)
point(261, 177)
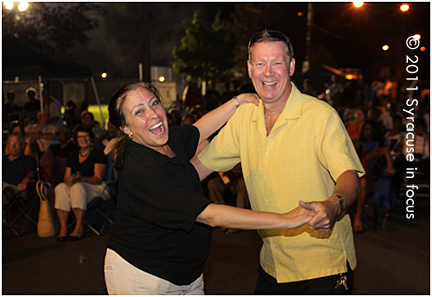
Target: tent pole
point(40, 92)
point(97, 99)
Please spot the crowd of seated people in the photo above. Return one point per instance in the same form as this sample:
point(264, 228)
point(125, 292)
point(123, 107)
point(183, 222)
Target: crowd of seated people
point(377, 123)
point(70, 159)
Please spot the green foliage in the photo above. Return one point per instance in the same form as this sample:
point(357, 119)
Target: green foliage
point(250, 18)
point(205, 52)
point(52, 27)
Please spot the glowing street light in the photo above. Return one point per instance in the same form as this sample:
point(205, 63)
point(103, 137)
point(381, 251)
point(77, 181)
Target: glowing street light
point(385, 47)
point(417, 37)
point(358, 4)
point(8, 5)
point(404, 7)
point(23, 6)
point(104, 75)
point(161, 78)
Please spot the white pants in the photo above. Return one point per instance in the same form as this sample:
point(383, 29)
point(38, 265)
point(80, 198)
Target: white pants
point(122, 278)
point(79, 195)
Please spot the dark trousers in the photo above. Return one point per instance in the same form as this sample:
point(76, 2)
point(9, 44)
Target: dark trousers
point(267, 285)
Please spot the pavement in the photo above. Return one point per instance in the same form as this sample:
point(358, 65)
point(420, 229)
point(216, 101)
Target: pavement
point(391, 260)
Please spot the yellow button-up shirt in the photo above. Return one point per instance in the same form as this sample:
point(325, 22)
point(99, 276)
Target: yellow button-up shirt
point(306, 151)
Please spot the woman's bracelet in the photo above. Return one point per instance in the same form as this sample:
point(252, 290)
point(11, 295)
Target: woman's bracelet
point(237, 103)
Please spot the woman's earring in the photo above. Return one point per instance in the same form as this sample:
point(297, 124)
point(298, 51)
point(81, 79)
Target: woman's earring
point(130, 136)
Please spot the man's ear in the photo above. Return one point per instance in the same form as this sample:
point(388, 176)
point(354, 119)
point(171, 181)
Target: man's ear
point(292, 66)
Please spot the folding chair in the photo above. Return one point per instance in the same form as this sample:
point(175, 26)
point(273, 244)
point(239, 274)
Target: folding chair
point(101, 212)
point(21, 212)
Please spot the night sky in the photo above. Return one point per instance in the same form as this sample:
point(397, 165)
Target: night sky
point(135, 32)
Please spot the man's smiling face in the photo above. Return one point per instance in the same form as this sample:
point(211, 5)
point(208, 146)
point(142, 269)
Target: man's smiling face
point(270, 70)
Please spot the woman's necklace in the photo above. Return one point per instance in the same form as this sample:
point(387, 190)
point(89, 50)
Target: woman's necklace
point(83, 156)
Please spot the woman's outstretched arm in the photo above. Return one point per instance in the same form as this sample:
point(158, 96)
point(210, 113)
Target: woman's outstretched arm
point(218, 215)
point(215, 119)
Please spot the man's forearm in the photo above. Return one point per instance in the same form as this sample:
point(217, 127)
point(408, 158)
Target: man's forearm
point(348, 186)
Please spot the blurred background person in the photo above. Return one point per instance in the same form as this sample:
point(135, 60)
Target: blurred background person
point(69, 116)
point(53, 161)
point(83, 181)
point(417, 145)
point(17, 169)
point(19, 129)
point(395, 134)
point(229, 188)
point(355, 127)
point(53, 106)
point(11, 111)
point(40, 135)
point(193, 96)
point(31, 108)
point(87, 118)
point(376, 160)
point(111, 132)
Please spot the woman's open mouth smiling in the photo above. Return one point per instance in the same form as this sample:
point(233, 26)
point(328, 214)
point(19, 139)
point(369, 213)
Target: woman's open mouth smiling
point(157, 129)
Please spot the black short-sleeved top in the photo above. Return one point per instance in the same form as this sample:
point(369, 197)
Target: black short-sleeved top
point(86, 168)
point(159, 199)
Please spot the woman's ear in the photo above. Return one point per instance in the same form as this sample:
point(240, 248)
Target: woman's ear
point(126, 130)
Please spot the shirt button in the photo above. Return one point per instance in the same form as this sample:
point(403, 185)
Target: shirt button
point(274, 245)
point(266, 200)
point(266, 177)
point(267, 154)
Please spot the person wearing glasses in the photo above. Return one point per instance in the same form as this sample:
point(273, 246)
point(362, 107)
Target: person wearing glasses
point(17, 169)
point(82, 182)
point(162, 232)
point(292, 147)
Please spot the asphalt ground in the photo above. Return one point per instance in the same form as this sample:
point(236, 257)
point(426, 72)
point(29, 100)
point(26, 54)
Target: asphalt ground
point(391, 260)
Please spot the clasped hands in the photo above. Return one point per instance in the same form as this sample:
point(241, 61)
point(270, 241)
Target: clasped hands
point(73, 178)
point(319, 215)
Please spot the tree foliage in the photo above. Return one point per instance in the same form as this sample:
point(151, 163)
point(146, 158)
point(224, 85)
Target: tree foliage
point(249, 18)
point(205, 52)
point(53, 27)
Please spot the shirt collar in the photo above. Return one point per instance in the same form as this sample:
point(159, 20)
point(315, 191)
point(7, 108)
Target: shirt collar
point(292, 109)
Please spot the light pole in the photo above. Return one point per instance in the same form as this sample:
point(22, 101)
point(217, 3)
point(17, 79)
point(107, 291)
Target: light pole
point(309, 20)
point(309, 24)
